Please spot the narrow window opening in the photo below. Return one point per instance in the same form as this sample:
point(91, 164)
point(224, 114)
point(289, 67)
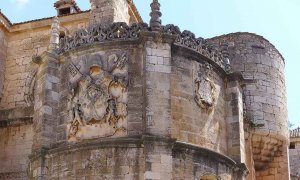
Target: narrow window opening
point(64, 11)
point(292, 146)
point(62, 34)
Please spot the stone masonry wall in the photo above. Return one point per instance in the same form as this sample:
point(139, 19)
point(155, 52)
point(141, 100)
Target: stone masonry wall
point(19, 85)
point(264, 101)
point(21, 48)
point(19, 69)
point(294, 157)
point(94, 163)
point(3, 49)
point(235, 121)
point(15, 147)
point(158, 104)
point(158, 155)
point(190, 122)
point(107, 11)
point(197, 165)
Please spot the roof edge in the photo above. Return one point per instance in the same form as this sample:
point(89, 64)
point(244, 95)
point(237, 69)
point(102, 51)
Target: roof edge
point(5, 21)
point(135, 10)
point(41, 19)
point(247, 33)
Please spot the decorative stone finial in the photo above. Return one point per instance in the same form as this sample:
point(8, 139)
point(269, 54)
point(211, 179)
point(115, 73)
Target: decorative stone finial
point(54, 39)
point(155, 21)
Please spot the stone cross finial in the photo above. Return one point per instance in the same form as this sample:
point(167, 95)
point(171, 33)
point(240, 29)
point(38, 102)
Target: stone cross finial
point(155, 21)
point(54, 39)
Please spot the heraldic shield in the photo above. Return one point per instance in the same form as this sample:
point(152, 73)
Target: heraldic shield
point(98, 97)
point(204, 87)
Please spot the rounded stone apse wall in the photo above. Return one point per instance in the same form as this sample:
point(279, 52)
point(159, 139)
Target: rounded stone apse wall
point(197, 100)
point(265, 99)
point(265, 104)
point(166, 100)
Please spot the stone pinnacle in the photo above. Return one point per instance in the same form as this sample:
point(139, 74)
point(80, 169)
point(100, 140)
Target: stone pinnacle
point(54, 39)
point(155, 21)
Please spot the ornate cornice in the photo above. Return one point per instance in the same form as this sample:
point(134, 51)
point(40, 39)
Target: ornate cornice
point(101, 33)
point(122, 32)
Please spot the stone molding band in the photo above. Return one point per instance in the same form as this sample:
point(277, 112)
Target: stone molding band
point(13, 175)
point(16, 117)
point(216, 157)
point(139, 142)
point(120, 31)
point(16, 122)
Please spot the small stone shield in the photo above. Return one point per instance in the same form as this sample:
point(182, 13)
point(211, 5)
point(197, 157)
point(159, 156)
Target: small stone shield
point(205, 88)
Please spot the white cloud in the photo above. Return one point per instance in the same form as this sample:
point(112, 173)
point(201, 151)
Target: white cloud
point(19, 3)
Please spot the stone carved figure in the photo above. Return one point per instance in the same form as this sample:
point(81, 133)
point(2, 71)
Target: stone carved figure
point(205, 87)
point(98, 98)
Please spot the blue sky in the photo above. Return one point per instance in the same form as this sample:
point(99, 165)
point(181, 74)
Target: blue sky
point(276, 20)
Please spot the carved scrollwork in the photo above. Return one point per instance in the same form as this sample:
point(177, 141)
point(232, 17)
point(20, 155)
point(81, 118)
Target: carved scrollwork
point(121, 31)
point(171, 29)
point(98, 97)
point(101, 33)
point(200, 45)
point(205, 90)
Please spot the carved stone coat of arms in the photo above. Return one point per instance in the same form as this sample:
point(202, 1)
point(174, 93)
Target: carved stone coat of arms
point(98, 97)
point(204, 87)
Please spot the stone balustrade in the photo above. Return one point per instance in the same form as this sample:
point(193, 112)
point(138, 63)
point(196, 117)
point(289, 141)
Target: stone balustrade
point(295, 133)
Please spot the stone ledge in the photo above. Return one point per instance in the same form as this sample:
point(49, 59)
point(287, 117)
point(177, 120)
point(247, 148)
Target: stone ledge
point(190, 53)
point(16, 122)
point(16, 117)
point(139, 142)
point(210, 154)
point(13, 175)
point(15, 113)
point(196, 149)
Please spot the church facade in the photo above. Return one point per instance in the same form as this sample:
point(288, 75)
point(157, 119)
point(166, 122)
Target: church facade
point(100, 94)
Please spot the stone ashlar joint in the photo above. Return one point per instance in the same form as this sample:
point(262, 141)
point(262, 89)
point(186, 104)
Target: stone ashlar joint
point(155, 21)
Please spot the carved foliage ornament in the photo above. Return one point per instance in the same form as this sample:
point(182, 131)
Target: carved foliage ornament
point(205, 89)
point(121, 31)
point(98, 97)
point(200, 45)
point(101, 33)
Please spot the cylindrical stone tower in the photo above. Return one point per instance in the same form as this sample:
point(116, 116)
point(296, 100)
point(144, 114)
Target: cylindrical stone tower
point(265, 104)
